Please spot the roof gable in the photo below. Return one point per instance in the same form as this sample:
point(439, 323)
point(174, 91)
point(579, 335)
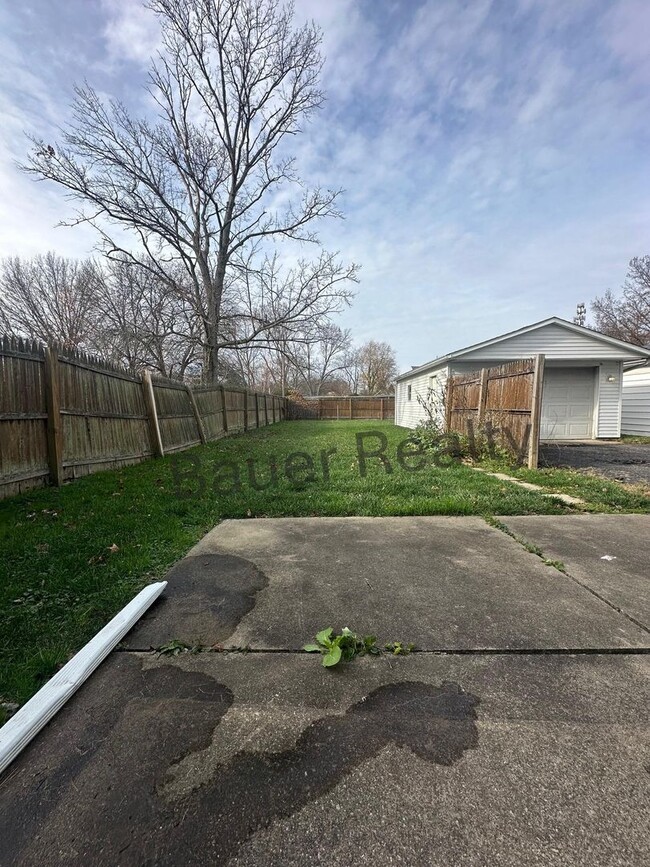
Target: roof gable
point(553, 337)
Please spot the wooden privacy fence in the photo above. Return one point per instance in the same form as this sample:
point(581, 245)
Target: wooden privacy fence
point(64, 414)
point(349, 407)
point(506, 399)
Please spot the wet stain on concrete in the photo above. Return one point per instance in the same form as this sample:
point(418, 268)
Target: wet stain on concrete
point(206, 597)
point(107, 808)
point(93, 798)
point(437, 723)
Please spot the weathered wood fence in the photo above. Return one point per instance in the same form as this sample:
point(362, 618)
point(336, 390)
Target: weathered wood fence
point(507, 398)
point(348, 407)
point(65, 414)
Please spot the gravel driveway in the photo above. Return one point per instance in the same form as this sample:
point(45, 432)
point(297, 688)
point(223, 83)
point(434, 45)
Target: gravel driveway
point(623, 462)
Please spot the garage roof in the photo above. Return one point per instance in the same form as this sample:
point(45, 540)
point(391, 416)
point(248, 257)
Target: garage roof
point(639, 351)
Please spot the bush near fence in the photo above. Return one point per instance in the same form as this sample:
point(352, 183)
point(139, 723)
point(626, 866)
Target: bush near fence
point(64, 414)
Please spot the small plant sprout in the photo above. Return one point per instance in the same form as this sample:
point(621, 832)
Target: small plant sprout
point(175, 647)
point(344, 646)
point(398, 648)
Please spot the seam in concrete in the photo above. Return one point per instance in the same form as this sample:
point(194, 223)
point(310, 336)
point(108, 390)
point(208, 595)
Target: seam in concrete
point(499, 525)
point(529, 486)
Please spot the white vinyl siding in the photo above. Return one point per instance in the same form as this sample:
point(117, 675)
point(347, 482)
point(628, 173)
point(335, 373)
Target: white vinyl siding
point(553, 341)
point(636, 402)
point(409, 413)
point(608, 423)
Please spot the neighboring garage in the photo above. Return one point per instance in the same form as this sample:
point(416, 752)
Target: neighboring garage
point(583, 377)
point(636, 401)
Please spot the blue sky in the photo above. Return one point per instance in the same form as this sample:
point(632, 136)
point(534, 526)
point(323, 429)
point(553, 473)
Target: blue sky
point(494, 153)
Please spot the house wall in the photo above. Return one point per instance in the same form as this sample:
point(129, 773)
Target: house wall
point(636, 402)
point(409, 413)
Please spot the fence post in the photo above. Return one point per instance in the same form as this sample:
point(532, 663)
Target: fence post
point(266, 410)
point(350, 402)
point(381, 408)
point(224, 408)
point(154, 426)
point(448, 402)
point(257, 410)
point(482, 395)
point(273, 407)
point(536, 412)
point(197, 415)
point(53, 406)
point(245, 410)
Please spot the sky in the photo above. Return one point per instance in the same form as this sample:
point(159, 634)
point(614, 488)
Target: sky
point(493, 153)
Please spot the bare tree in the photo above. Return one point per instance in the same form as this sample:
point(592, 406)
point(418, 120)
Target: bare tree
point(319, 357)
point(378, 367)
point(143, 322)
point(351, 370)
point(627, 317)
point(50, 298)
point(200, 185)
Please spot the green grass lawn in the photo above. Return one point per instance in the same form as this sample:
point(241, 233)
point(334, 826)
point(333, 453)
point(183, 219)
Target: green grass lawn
point(72, 557)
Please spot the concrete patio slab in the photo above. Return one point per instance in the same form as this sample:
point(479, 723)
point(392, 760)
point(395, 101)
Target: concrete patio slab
point(505, 749)
point(608, 553)
point(270, 759)
point(442, 583)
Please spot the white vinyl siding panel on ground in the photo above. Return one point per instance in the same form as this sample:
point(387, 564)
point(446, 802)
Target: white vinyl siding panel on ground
point(568, 403)
point(553, 341)
point(636, 402)
point(608, 423)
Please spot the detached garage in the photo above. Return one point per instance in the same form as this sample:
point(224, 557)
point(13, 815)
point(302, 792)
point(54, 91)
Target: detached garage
point(583, 377)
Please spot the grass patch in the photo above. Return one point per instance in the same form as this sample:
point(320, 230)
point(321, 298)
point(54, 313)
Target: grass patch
point(632, 438)
point(73, 556)
point(599, 494)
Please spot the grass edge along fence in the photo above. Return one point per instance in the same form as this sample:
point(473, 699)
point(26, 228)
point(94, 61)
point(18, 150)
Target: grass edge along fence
point(65, 414)
point(507, 397)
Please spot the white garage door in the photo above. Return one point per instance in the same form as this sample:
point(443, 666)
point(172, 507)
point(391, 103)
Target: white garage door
point(568, 403)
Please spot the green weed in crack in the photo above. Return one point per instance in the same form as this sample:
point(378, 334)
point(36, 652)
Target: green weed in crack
point(398, 648)
point(175, 647)
point(528, 546)
point(344, 646)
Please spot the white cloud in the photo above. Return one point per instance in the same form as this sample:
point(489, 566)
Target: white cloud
point(627, 31)
point(132, 31)
point(551, 88)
